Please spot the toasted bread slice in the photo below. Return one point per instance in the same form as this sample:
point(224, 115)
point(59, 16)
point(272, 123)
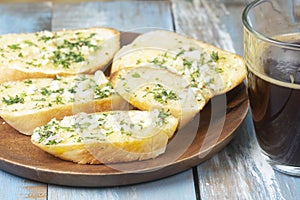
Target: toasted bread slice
point(30, 103)
point(107, 137)
point(206, 67)
point(46, 54)
point(148, 88)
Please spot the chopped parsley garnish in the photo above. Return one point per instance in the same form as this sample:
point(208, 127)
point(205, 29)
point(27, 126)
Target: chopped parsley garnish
point(44, 132)
point(195, 75)
point(47, 131)
point(192, 49)
point(72, 89)
point(73, 54)
point(52, 142)
point(187, 63)
point(161, 95)
point(81, 78)
point(66, 59)
point(131, 126)
point(156, 61)
point(109, 133)
point(56, 77)
point(12, 100)
point(136, 75)
point(138, 61)
point(214, 56)
point(28, 42)
point(103, 92)
point(219, 70)
point(159, 62)
point(28, 81)
point(179, 54)
point(46, 38)
point(41, 99)
point(45, 91)
point(60, 91)
point(92, 35)
point(14, 46)
point(78, 44)
point(162, 116)
point(34, 64)
point(128, 133)
point(58, 100)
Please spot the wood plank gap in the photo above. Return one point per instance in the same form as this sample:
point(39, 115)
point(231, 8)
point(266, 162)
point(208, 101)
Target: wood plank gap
point(52, 14)
point(47, 192)
point(172, 16)
point(196, 183)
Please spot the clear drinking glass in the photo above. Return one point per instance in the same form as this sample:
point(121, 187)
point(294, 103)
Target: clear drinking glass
point(272, 55)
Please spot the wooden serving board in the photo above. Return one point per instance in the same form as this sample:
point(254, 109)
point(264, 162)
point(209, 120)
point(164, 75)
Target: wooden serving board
point(206, 135)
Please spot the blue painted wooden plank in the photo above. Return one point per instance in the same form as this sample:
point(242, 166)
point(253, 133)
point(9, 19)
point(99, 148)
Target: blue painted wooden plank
point(289, 186)
point(13, 187)
point(174, 187)
point(240, 172)
point(25, 17)
point(136, 16)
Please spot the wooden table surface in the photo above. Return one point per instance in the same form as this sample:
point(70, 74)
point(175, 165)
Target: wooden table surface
point(237, 172)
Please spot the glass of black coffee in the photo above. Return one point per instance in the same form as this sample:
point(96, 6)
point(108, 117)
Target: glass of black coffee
point(272, 56)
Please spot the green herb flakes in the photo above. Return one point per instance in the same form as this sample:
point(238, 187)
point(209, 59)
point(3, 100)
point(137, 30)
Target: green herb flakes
point(136, 75)
point(139, 61)
point(13, 100)
point(214, 56)
point(14, 46)
point(162, 95)
point(66, 59)
point(103, 92)
point(29, 43)
point(29, 81)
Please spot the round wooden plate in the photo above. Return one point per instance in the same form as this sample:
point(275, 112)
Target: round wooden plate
point(210, 131)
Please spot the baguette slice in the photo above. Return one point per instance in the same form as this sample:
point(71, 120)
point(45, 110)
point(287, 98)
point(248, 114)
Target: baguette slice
point(211, 70)
point(30, 103)
point(148, 88)
point(45, 54)
point(107, 137)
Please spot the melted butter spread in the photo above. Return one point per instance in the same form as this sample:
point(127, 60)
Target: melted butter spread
point(67, 50)
point(111, 126)
point(36, 94)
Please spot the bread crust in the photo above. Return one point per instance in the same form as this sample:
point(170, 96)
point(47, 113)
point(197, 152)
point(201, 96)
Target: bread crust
point(219, 71)
point(141, 145)
point(105, 153)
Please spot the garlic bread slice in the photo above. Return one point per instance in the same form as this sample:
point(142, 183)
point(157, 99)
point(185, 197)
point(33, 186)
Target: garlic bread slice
point(148, 88)
point(206, 67)
point(107, 137)
point(30, 103)
point(67, 52)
